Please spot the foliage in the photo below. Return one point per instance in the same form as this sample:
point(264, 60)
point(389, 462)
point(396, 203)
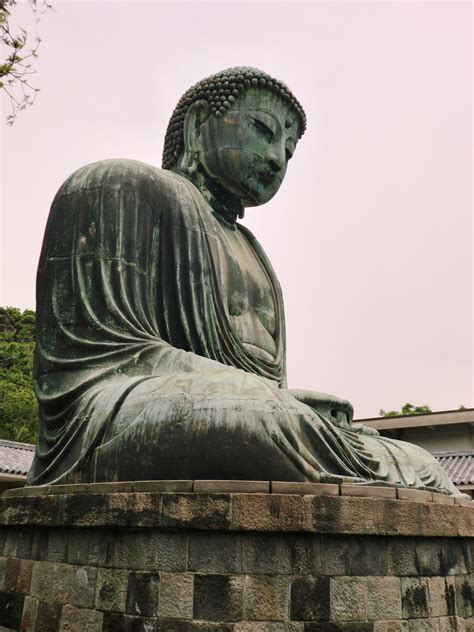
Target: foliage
point(18, 408)
point(410, 409)
point(16, 68)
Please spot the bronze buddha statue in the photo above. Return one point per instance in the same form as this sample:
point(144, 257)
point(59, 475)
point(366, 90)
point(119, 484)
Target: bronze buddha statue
point(160, 324)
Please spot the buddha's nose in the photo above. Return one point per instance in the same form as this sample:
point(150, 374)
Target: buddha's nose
point(275, 165)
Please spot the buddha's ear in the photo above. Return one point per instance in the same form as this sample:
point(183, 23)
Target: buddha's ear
point(196, 115)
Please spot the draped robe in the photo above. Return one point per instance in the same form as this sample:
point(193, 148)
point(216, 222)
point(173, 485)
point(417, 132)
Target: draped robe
point(138, 371)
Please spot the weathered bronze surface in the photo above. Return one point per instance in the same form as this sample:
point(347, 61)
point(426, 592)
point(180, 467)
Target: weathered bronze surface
point(160, 324)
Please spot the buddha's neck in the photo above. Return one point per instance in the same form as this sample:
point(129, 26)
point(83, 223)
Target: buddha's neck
point(226, 206)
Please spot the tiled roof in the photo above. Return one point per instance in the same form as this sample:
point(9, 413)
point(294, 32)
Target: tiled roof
point(459, 466)
point(15, 458)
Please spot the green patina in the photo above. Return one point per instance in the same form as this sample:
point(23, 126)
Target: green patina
point(160, 325)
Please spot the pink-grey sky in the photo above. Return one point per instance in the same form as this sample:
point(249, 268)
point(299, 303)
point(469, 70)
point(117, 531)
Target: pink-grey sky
point(371, 233)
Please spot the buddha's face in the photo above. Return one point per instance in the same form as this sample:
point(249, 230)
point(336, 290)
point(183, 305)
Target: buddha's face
point(248, 148)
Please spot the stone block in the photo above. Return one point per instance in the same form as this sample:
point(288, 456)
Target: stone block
point(441, 520)
point(24, 541)
point(269, 626)
point(218, 597)
point(304, 553)
point(3, 537)
point(115, 622)
point(57, 545)
point(12, 493)
point(464, 520)
point(12, 571)
point(83, 586)
point(355, 626)
point(335, 555)
point(310, 598)
point(453, 624)
point(464, 587)
point(129, 549)
point(331, 514)
point(111, 589)
point(391, 626)
point(62, 580)
point(166, 551)
point(82, 510)
point(461, 500)
point(348, 598)
point(14, 511)
point(3, 569)
point(42, 580)
point(99, 546)
point(402, 557)
point(77, 488)
point(39, 544)
point(368, 491)
point(455, 557)
point(11, 609)
point(121, 509)
point(438, 604)
point(119, 487)
point(28, 619)
point(415, 598)
point(398, 518)
point(414, 495)
point(43, 511)
point(428, 556)
point(198, 511)
point(265, 554)
point(175, 625)
point(37, 490)
point(164, 486)
point(231, 487)
point(142, 593)
point(48, 617)
point(215, 552)
point(271, 512)
point(145, 510)
point(423, 625)
point(266, 598)
point(384, 599)
point(23, 583)
point(368, 556)
point(176, 595)
point(309, 489)
point(78, 545)
point(80, 619)
point(443, 499)
point(450, 595)
point(10, 545)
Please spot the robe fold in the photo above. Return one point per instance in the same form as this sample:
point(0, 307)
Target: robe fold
point(138, 371)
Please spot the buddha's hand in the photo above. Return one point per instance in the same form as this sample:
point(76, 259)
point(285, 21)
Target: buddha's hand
point(339, 411)
point(365, 430)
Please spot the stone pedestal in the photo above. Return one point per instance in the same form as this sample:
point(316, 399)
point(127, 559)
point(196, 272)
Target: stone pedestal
point(110, 558)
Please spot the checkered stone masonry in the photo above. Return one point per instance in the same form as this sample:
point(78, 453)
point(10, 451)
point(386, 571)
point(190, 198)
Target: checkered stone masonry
point(210, 577)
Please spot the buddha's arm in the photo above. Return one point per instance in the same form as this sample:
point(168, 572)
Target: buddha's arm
point(339, 411)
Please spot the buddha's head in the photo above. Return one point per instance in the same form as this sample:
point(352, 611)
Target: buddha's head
point(236, 129)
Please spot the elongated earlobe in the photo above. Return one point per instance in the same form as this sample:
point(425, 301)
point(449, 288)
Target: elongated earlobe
point(197, 114)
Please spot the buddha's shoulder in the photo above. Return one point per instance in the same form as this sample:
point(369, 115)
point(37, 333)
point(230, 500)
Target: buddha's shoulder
point(125, 174)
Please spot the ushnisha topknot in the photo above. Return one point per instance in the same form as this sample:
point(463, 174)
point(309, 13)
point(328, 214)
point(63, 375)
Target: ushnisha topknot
point(220, 91)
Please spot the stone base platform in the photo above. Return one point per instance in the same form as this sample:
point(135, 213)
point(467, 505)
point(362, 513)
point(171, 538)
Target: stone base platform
point(112, 558)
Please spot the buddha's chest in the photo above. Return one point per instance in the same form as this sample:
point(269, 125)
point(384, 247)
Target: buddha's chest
point(246, 289)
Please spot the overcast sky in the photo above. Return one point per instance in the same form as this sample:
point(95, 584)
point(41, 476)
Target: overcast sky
point(371, 232)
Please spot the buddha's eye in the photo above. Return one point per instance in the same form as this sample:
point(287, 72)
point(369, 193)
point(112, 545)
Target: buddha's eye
point(263, 128)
